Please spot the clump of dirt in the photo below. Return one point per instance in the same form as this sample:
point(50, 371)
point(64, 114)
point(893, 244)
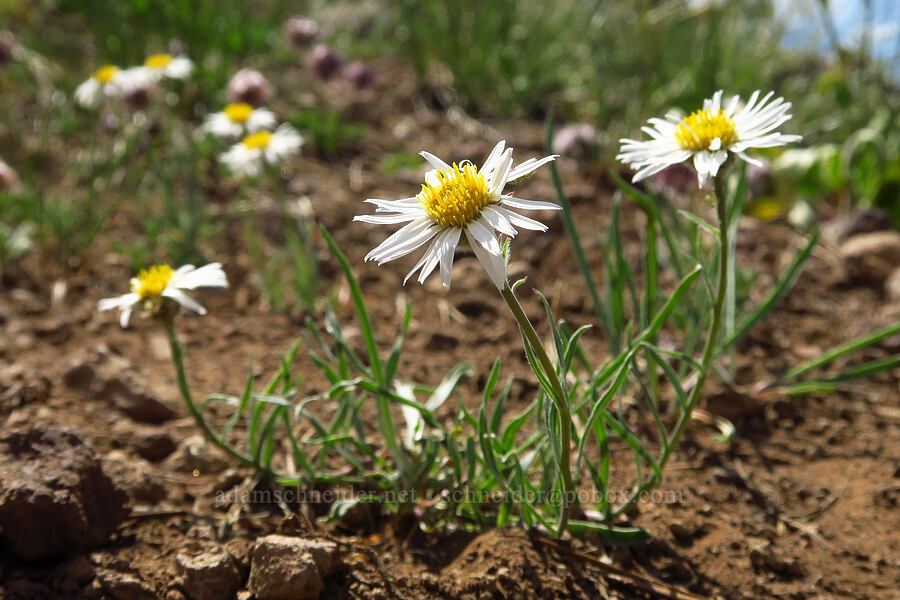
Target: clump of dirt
point(55, 499)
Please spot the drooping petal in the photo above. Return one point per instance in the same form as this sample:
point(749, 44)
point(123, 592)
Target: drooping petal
point(184, 300)
point(404, 240)
point(521, 220)
point(481, 233)
point(448, 250)
point(498, 221)
point(494, 264)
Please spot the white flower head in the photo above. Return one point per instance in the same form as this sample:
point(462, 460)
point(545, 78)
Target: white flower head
point(153, 285)
point(708, 135)
point(102, 82)
point(454, 200)
point(250, 156)
point(238, 118)
point(161, 66)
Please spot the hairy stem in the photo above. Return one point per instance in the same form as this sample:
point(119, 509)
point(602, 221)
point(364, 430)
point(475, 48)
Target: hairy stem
point(557, 393)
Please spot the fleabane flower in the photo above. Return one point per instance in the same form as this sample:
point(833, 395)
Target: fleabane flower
point(249, 156)
point(102, 82)
point(152, 286)
point(238, 118)
point(709, 135)
point(159, 66)
point(457, 199)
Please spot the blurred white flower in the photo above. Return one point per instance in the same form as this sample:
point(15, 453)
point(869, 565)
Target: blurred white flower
point(708, 135)
point(237, 119)
point(171, 67)
point(455, 200)
point(254, 152)
point(152, 285)
point(102, 82)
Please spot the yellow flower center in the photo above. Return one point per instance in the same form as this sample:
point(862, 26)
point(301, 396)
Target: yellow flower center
point(105, 73)
point(698, 130)
point(238, 112)
point(458, 198)
point(258, 140)
point(151, 282)
point(158, 61)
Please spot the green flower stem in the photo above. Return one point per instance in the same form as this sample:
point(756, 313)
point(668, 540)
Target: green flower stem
point(559, 399)
point(709, 351)
point(184, 388)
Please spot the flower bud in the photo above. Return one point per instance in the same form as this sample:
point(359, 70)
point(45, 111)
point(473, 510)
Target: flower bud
point(301, 32)
point(324, 62)
point(9, 179)
point(250, 87)
point(577, 139)
point(8, 45)
point(358, 74)
point(675, 178)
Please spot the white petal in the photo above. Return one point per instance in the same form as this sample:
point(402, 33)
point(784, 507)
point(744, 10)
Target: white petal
point(404, 240)
point(480, 231)
point(520, 203)
point(179, 68)
point(427, 261)
point(497, 179)
point(210, 275)
point(183, 299)
point(448, 249)
point(434, 161)
point(125, 317)
point(494, 265)
point(388, 219)
point(498, 221)
point(491, 162)
point(521, 220)
point(260, 119)
point(88, 94)
point(529, 166)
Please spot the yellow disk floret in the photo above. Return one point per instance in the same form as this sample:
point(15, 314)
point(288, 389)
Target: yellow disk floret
point(258, 140)
point(158, 61)
point(105, 73)
point(698, 130)
point(151, 282)
point(458, 198)
point(238, 112)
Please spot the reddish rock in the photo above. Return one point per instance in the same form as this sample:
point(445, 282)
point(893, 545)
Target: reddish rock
point(55, 499)
point(290, 568)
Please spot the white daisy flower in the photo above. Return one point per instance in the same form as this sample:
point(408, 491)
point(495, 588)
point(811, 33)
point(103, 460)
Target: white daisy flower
point(254, 152)
point(102, 82)
point(455, 200)
point(168, 66)
point(708, 135)
point(237, 118)
point(152, 285)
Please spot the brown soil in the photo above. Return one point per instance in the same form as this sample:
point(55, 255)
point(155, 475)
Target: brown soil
point(802, 504)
